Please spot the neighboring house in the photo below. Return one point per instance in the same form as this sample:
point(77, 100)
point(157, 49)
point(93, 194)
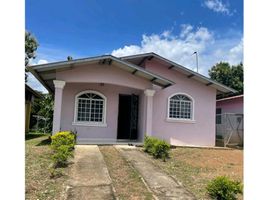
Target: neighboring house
point(234, 104)
point(106, 99)
point(230, 119)
point(30, 94)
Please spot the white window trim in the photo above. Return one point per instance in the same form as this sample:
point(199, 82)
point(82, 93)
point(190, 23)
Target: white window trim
point(98, 124)
point(183, 120)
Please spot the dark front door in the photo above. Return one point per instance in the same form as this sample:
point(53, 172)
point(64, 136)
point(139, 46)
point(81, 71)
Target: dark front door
point(128, 117)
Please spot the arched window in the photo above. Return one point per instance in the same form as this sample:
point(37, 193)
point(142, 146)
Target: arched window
point(180, 107)
point(90, 108)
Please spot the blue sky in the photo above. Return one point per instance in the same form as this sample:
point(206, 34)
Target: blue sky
point(173, 29)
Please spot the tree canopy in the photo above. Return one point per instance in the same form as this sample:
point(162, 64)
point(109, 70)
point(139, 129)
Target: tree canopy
point(31, 45)
point(231, 76)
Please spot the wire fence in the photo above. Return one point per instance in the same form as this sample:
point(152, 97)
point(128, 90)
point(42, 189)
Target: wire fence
point(230, 129)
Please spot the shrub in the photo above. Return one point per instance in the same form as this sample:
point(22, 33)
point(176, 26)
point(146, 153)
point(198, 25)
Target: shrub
point(63, 138)
point(149, 143)
point(222, 188)
point(62, 144)
point(161, 149)
point(157, 148)
point(61, 155)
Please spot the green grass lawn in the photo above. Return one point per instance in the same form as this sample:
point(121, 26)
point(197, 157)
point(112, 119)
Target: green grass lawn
point(38, 183)
point(195, 167)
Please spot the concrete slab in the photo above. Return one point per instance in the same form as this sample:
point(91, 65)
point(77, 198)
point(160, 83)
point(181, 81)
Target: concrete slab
point(89, 175)
point(161, 184)
point(121, 146)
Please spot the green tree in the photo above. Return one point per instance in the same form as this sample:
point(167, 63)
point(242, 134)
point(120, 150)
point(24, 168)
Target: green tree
point(231, 76)
point(44, 107)
point(31, 45)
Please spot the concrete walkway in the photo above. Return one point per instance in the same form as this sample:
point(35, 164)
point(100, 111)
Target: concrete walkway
point(89, 175)
point(162, 185)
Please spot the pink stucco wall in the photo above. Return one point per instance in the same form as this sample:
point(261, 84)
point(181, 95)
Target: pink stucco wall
point(199, 132)
point(111, 92)
point(103, 74)
point(232, 105)
point(116, 81)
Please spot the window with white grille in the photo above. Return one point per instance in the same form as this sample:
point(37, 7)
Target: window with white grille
point(90, 108)
point(180, 107)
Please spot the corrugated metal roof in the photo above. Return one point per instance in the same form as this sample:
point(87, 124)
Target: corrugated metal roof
point(46, 73)
point(138, 59)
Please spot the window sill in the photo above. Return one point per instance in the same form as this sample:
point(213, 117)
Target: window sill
point(89, 124)
point(187, 121)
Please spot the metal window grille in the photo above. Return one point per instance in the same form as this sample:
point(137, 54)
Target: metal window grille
point(90, 108)
point(180, 107)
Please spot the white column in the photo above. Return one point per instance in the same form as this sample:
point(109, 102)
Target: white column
point(59, 85)
point(149, 111)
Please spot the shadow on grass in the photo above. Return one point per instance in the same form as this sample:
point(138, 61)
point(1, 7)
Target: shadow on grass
point(44, 142)
point(30, 136)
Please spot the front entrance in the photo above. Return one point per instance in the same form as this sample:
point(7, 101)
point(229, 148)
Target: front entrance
point(127, 127)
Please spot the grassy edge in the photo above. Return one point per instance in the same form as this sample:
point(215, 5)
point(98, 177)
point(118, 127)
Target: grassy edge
point(134, 173)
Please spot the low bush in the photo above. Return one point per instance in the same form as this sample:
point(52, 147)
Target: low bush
point(161, 149)
point(61, 156)
point(157, 148)
point(222, 188)
point(66, 138)
point(149, 143)
point(62, 144)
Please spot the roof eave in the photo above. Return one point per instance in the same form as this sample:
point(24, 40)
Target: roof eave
point(50, 90)
point(222, 88)
point(60, 65)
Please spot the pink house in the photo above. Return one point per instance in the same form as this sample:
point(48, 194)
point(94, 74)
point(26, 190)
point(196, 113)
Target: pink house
point(231, 105)
point(106, 99)
point(230, 119)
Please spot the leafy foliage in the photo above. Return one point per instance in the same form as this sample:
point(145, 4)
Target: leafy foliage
point(157, 148)
point(231, 76)
point(222, 188)
point(149, 143)
point(31, 45)
point(161, 149)
point(61, 155)
point(44, 107)
point(62, 144)
point(64, 138)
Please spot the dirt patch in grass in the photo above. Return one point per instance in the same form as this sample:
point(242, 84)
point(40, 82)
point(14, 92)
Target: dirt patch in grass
point(126, 180)
point(195, 167)
point(38, 183)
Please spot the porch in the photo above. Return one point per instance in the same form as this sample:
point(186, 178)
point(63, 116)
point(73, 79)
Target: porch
point(122, 116)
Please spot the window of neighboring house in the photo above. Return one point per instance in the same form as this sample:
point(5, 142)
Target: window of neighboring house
point(180, 107)
point(218, 116)
point(90, 108)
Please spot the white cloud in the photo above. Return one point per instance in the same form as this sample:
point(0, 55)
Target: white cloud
point(186, 28)
point(217, 6)
point(179, 48)
point(236, 52)
point(37, 62)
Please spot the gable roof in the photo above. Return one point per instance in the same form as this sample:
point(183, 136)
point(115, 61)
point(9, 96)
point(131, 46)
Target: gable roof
point(140, 58)
point(46, 73)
